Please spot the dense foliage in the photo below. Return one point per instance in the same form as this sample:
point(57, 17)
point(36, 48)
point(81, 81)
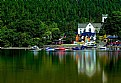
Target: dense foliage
point(112, 26)
point(30, 22)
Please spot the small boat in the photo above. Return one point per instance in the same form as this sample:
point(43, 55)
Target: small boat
point(76, 48)
point(79, 48)
point(35, 48)
point(60, 48)
point(102, 47)
point(49, 49)
point(90, 44)
point(83, 47)
point(68, 49)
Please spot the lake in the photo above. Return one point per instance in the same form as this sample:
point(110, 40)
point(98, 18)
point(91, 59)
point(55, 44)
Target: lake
point(84, 66)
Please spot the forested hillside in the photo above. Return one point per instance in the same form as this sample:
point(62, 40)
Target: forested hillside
point(30, 22)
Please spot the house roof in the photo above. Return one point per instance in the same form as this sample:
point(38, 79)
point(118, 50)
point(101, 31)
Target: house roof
point(97, 25)
point(83, 25)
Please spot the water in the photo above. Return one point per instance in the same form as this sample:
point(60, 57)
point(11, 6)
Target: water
point(87, 66)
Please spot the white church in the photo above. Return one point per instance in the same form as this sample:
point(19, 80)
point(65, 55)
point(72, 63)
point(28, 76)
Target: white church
point(87, 31)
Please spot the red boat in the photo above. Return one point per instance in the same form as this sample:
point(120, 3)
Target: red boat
point(60, 48)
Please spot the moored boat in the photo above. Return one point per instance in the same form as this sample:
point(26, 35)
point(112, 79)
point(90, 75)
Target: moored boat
point(76, 48)
point(60, 48)
point(49, 49)
point(103, 47)
point(35, 48)
point(68, 49)
point(90, 44)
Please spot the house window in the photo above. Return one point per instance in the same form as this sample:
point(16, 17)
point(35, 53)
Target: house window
point(80, 32)
point(89, 29)
point(84, 30)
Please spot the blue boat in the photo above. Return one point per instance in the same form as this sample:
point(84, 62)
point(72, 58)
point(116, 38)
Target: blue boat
point(79, 48)
point(83, 47)
point(49, 49)
point(76, 48)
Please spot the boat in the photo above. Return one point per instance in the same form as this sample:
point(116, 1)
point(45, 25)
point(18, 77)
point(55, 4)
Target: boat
point(60, 48)
point(83, 47)
point(90, 44)
point(35, 48)
point(76, 48)
point(102, 47)
point(68, 49)
point(79, 48)
point(49, 49)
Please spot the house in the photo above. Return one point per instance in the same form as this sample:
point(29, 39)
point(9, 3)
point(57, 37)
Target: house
point(87, 31)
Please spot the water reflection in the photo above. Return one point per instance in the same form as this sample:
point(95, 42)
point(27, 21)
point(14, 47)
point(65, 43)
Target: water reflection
point(89, 61)
point(35, 52)
point(61, 55)
point(104, 77)
point(86, 62)
point(85, 66)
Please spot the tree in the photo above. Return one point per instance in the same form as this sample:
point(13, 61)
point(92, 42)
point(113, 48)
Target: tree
point(35, 19)
point(55, 33)
point(112, 26)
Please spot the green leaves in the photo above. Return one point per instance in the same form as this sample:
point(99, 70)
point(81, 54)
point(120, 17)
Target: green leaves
point(48, 19)
point(112, 26)
point(55, 33)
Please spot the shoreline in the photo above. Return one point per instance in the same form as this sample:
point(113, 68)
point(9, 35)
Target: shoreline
point(42, 47)
point(54, 46)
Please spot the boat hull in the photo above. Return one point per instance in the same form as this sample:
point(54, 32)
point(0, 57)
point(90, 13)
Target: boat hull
point(59, 48)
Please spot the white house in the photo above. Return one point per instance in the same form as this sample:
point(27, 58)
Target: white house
point(88, 30)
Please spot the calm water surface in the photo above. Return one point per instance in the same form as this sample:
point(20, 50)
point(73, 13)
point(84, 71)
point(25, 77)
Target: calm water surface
point(85, 66)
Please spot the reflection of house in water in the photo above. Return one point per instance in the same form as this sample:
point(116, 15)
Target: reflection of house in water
point(76, 54)
point(87, 62)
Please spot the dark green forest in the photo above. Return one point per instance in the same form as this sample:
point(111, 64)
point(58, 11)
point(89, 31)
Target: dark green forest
point(39, 22)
